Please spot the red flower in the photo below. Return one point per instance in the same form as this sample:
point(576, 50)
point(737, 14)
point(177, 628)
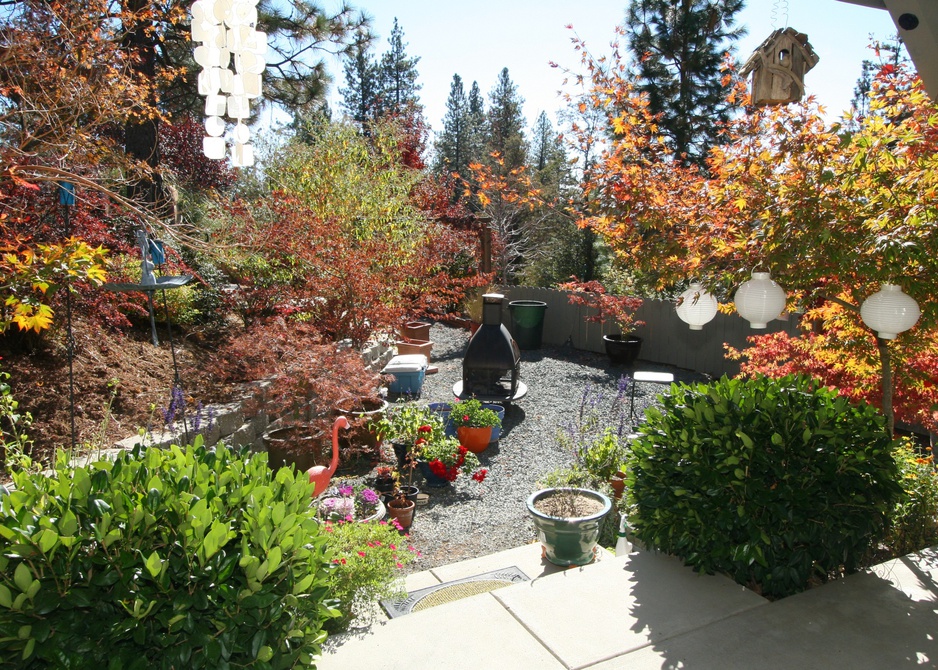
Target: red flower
point(437, 468)
point(462, 450)
point(479, 475)
point(465, 417)
point(425, 429)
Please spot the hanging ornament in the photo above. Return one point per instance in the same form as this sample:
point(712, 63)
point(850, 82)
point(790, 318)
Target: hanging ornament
point(759, 300)
point(889, 311)
point(697, 306)
point(232, 53)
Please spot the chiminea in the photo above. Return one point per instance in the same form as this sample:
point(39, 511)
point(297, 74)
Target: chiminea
point(491, 364)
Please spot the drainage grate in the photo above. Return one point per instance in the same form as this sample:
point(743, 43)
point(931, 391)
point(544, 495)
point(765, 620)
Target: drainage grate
point(439, 594)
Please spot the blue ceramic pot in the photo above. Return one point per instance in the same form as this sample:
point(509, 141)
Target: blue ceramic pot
point(443, 409)
point(432, 480)
point(500, 410)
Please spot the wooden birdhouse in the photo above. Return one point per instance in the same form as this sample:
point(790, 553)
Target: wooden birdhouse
point(778, 67)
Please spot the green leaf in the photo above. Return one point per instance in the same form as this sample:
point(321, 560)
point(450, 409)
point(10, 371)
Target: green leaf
point(154, 564)
point(22, 577)
point(6, 597)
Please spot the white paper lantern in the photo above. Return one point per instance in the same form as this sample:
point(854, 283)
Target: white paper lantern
point(697, 307)
point(759, 300)
point(221, 9)
point(889, 311)
point(213, 147)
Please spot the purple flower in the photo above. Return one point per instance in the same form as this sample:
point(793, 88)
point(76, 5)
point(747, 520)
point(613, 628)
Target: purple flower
point(345, 490)
point(369, 496)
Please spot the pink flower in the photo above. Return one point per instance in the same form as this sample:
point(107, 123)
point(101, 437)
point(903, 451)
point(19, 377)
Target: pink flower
point(361, 553)
point(399, 565)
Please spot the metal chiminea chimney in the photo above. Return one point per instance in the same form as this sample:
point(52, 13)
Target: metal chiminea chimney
point(492, 363)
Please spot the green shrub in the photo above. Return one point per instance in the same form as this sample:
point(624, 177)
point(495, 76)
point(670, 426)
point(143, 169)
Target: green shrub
point(774, 482)
point(179, 558)
point(913, 522)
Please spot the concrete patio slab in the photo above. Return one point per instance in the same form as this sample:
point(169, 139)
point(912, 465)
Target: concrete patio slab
point(885, 617)
point(586, 617)
point(468, 634)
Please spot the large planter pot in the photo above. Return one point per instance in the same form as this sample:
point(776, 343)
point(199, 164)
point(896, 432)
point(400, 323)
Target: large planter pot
point(568, 540)
point(475, 440)
point(410, 347)
point(416, 330)
point(299, 446)
point(432, 479)
point(623, 349)
point(403, 511)
point(360, 412)
point(444, 409)
point(500, 412)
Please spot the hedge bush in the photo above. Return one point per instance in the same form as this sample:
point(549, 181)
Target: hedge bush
point(774, 482)
point(179, 558)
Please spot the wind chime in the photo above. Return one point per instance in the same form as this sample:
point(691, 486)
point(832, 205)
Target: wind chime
point(227, 38)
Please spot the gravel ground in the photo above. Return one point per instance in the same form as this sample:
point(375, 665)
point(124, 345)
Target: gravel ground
point(467, 519)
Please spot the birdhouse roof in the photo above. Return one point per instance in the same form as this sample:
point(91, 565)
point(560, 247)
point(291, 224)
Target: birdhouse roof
point(771, 43)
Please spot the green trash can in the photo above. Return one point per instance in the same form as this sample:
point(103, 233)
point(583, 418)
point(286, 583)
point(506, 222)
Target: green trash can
point(527, 322)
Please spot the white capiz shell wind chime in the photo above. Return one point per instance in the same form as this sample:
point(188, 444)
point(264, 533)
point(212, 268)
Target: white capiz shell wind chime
point(228, 38)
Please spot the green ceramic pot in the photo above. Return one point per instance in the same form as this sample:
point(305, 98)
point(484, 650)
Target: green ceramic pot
point(568, 540)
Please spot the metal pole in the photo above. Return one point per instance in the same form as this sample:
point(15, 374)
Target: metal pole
point(67, 199)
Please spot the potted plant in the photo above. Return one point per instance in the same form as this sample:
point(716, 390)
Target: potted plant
point(403, 424)
point(352, 504)
point(474, 424)
point(443, 460)
point(568, 522)
point(623, 347)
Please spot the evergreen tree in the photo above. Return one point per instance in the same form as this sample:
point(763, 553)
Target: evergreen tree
point(397, 76)
point(361, 92)
point(505, 123)
point(678, 47)
point(452, 144)
point(890, 54)
point(546, 152)
point(476, 124)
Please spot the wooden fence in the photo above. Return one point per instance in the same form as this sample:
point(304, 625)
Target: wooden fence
point(667, 339)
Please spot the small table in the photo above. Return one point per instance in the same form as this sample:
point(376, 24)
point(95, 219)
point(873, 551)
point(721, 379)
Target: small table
point(640, 376)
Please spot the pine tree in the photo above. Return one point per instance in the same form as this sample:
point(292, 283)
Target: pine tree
point(452, 144)
point(476, 124)
point(678, 47)
point(397, 76)
point(505, 123)
point(360, 95)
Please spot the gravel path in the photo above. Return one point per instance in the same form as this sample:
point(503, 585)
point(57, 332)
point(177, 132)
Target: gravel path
point(467, 519)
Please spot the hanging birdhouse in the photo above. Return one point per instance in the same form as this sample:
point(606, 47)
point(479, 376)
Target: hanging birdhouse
point(778, 67)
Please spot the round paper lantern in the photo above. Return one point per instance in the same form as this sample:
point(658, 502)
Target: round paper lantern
point(759, 300)
point(889, 311)
point(697, 307)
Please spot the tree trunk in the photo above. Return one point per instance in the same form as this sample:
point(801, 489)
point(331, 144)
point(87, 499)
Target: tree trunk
point(886, 363)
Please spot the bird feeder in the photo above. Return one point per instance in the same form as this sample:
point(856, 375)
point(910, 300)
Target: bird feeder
point(778, 67)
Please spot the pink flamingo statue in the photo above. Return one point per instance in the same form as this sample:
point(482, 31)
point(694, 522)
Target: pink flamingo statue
point(320, 475)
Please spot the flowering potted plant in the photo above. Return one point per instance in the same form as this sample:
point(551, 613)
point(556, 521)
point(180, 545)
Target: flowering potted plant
point(474, 423)
point(443, 460)
point(403, 424)
point(622, 347)
point(363, 504)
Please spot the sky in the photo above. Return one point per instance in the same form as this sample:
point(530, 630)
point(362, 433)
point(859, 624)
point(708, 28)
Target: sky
point(477, 39)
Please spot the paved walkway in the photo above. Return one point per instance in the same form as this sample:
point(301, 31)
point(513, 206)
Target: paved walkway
point(647, 610)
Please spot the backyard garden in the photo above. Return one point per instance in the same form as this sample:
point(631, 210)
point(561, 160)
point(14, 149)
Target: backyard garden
point(144, 285)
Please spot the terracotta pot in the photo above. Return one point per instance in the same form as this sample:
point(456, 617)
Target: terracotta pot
point(416, 330)
point(403, 511)
point(475, 440)
point(408, 346)
point(618, 484)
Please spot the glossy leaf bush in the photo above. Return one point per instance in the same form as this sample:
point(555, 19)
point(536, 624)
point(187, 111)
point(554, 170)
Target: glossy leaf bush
point(776, 482)
point(179, 558)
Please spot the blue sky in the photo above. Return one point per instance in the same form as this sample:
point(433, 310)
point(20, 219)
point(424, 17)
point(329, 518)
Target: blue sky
point(477, 39)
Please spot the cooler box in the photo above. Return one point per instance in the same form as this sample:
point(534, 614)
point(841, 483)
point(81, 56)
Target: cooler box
point(408, 371)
